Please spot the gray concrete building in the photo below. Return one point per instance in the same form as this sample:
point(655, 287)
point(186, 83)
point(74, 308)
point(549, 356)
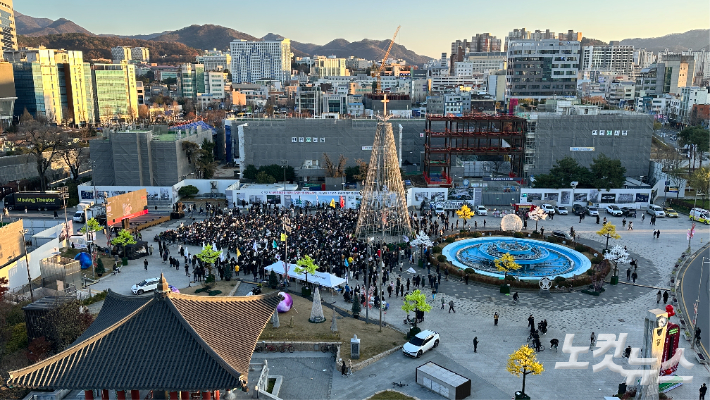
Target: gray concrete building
point(302, 142)
point(143, 158)
point(624, 136)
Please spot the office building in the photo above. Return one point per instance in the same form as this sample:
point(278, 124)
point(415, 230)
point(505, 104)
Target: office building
point(614, 59)
point(115, 92)
point(36, 83)
point(689, 97)
point(480, 63)
point(679, 71)
point(75, 89)
point(252, 61)
point(191, 80)
point(308, 99)
point(140, 54)
point(215, 60)
point(329, 66)
point(8, 33)
point(7, 94)
point(644, 58)
point(541, 69)
point(357, 64)
point(457, 103)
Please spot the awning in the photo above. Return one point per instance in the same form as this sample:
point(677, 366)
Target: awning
point(321, 278)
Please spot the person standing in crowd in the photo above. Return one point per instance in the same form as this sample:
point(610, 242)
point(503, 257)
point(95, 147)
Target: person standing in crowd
point(495, 319)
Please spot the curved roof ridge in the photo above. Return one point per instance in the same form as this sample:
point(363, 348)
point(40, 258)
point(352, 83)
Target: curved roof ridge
point(222, 299)
point(89, 341)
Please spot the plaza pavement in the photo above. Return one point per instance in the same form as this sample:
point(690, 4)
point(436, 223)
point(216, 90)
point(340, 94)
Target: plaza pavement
point(621, 309)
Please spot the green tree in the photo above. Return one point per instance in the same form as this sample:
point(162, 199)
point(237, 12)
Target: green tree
point(700, 181)
point(415, 301)
point(250, 172)
point(277, 171)
point(188, 191)
point(100, 269)
point(91, 226)
point(123, 239)
point(208, 256)
point(306, 265)
point(273, 280)
point(263, 177)
point(695, 136)
point(607, 173)
point(563, 173)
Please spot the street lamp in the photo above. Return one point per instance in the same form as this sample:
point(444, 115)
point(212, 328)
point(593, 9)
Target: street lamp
point(23, 232)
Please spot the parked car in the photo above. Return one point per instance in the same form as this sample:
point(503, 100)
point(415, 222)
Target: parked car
point(629, 212)
point(579, 209)
point(562, 235)
point(145, 286)
point(548, 208)
point(614, 210)
point(655, 211)
point(670, 213)
point(701, 215)
point(481, 210)
point(562, 210)
point(593, 211)
point(419, 344)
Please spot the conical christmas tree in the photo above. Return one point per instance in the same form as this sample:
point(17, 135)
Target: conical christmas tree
point(317, 309)
point(383, 210)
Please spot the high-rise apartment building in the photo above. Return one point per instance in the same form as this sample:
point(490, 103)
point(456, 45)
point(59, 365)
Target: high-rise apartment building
point(541, 69)
point(523, 34)
point(36, 83)
point(329, 66)
point(481, 42)
point(191, 80)
point(643, 58)
point(140, 54)
point(215, 60)
point(252, 61)
point(7, 93)
point(115, 91)
point(615, 59)
point(571, 36)
point(8, 33)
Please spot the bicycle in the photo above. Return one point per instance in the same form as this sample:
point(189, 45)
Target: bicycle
point(399, 384)
point(259, 348)
point(270, 348)
point(287, 346)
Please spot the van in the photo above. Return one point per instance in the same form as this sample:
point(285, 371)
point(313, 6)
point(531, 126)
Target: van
point(655, 211)
point(701, 215)
point(78, 216)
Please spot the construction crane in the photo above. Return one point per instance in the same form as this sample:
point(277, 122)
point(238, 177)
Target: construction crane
point(378, 72)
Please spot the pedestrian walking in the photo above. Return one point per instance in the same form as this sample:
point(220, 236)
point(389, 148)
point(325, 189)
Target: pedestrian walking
point(145, 264)
point(634, 276)
point(643, 217)
point(531, 322)
point(658, 234)
point(654, 233)
point(628, 277)
point(658, 297)
point(442, 302)
point(495, 319)
point(451, 306)
point(703, 390)
point(597, 219)
point(475, 346)
point(631, 225)
point(623, 222)
point(592, 340)
point(665, 297)
point(465, 278)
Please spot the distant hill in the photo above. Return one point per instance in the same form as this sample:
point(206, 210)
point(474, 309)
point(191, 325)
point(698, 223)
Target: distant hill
point(204, 36)
point(695, 39)
point(30, 26)
point(99, 47)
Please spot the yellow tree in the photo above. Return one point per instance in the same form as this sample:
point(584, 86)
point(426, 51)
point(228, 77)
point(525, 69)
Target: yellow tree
point(506, 263)
point(524, 362)
point(609, 232)
point(464, 213)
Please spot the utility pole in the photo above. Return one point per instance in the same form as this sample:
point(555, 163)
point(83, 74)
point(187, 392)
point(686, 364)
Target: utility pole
point(23, 232)
point(64, 192)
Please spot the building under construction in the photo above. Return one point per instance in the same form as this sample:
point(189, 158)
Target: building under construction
point(471, 135)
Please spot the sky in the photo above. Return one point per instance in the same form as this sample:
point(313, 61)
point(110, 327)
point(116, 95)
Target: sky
point(428, 27)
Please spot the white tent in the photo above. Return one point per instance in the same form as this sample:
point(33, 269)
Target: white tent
point(321, 278)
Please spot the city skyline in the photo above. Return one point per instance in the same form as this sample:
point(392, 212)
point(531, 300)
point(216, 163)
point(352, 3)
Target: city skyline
point(439, 31)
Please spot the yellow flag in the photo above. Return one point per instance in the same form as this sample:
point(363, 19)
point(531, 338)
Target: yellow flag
point(239, 253)
point(283, 237)
point(332, 203)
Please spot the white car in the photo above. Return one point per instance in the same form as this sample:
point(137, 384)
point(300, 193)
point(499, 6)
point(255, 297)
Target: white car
point(562, 210)
point(145, 286)
point(614, 210)
point(420, 343)
point(655, 211)
point(592, 211)
point(548, 208)
point(481, 210)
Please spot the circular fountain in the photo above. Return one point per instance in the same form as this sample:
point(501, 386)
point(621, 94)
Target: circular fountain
point(536, 258)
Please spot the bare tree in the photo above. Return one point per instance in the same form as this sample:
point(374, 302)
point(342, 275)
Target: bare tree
point(44, 143)
point(75, 155)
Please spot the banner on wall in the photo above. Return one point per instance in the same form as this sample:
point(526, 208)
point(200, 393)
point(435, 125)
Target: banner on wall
point(608, 198)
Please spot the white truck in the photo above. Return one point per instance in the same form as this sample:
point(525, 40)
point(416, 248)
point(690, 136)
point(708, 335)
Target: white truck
point(701, 215)
point(87, 213)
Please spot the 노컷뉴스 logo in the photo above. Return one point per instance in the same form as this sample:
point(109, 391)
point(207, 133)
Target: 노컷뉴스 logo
point(606, 342)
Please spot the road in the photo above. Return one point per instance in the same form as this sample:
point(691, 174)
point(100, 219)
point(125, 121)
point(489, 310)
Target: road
point(691, 282)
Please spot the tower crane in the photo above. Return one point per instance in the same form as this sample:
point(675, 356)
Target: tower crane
point(378, 72)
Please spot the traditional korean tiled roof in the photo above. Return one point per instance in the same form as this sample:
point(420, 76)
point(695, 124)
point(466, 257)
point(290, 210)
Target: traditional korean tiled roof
point(168, 341)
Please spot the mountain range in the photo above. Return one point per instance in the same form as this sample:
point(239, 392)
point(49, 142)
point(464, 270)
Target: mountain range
point(199, 37)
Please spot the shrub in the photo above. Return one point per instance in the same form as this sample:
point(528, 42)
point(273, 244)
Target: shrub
point(518, 235)
point(273, 280)
point(509, 278)
point(580, 248)
point(560, 279)
point(214, 292)
point(441, 258)
point(356, 306)
point(596, 260)
point(436, 249)
point(476, 235)
point(413, 331)
point(188, 191)
point(469, 270)
point(450, 240)
point(590, 271)
point(100, 269)
point(95, 298)
point(18, 338)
